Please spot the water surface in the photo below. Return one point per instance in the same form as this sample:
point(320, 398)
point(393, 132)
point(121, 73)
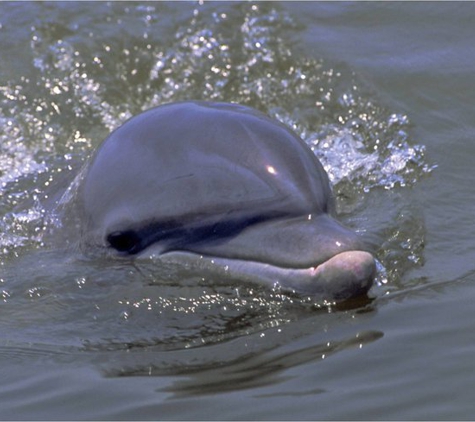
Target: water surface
point(382, 93)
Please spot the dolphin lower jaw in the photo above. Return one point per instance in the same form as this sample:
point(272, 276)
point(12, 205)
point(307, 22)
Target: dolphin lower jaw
point(345, 275)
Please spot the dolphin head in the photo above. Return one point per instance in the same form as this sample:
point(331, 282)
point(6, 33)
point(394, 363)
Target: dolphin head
point(228, 185)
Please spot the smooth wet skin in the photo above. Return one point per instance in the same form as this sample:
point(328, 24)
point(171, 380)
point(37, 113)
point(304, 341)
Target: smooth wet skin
point(225, 185)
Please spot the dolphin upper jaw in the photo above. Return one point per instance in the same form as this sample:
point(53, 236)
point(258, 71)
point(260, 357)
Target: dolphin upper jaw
point(345, 275)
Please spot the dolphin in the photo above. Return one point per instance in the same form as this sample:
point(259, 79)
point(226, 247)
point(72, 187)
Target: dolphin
point(229, 188)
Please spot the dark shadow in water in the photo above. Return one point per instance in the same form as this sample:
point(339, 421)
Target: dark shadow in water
point(261, 369)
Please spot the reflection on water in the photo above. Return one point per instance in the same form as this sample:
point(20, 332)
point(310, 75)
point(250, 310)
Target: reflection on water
point(260, 369)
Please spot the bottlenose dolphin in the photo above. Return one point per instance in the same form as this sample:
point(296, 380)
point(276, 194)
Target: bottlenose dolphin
point(226, 186)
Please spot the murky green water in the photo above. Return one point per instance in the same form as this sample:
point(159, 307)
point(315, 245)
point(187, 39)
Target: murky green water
point(382, 92)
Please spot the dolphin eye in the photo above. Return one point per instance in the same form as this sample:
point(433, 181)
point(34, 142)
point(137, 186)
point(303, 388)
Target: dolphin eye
point(126, 241)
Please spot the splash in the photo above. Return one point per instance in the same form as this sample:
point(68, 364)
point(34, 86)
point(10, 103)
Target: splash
point(79, 91)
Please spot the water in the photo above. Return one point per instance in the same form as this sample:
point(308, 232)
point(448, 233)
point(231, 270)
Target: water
point(382, 92)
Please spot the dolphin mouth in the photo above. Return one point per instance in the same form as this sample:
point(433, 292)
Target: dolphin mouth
point(346, 275)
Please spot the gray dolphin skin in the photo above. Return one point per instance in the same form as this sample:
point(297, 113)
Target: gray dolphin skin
point(227, 188)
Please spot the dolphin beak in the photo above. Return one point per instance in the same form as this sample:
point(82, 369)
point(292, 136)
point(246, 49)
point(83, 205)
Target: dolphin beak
point(347, 274)
point(344, 276)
